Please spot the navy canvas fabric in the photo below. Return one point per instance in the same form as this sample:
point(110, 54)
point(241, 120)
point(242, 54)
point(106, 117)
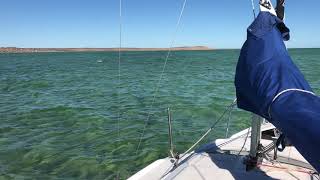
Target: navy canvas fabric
point(265, 69)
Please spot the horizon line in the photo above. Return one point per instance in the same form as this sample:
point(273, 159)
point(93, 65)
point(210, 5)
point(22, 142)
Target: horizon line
point(205, 47)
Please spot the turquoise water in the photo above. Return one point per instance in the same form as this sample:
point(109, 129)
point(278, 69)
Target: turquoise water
point(59, 111)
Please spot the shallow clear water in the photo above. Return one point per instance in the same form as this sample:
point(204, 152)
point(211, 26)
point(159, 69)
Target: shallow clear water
point(59, 111)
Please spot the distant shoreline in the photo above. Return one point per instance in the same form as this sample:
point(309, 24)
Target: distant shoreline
point(35, 50)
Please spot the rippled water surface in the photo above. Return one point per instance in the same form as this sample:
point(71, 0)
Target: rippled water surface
point(59, 112)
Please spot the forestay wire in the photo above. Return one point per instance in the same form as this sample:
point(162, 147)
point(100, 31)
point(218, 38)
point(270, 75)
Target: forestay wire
point(119, 75)
point(228, 109)
point(253, 9)
point(162, 73)
point(119, 67)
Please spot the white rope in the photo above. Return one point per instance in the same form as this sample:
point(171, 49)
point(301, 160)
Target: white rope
point(285, 91)
point(162, 73)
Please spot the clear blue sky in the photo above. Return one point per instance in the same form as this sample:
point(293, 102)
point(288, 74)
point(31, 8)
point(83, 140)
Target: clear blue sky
point(146, 23)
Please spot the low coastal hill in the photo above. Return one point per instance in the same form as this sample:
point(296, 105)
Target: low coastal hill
point(25, 50)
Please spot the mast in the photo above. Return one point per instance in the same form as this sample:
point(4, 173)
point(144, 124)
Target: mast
point(253, 157)
point(255, 134)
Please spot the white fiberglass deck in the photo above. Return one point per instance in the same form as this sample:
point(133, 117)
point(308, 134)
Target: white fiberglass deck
point(223, 162)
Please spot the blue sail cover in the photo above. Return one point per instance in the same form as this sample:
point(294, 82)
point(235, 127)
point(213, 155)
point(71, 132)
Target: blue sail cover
point(264, 70)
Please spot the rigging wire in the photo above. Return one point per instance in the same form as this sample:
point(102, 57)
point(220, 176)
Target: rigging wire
point(229, 108)
point(119, 65)
point(249, 129)
point(228, 123)
point(245, 141)
point(119, 75)
point(253, 9)
point(162, 73)
point(231, 140)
